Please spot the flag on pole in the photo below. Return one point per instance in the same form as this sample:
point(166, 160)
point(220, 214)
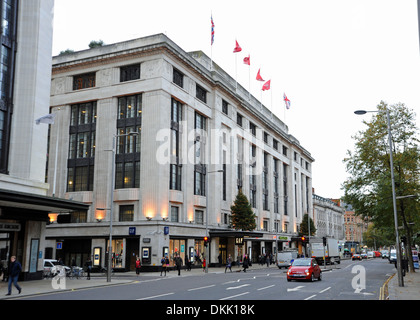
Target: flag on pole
point(237, 47)
point(259, 78)
point(49, 119)
point(266, 85)
point(212, 30)
point(247, 60)
point(287, 101)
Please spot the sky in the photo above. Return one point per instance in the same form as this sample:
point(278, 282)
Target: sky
point(330, 57)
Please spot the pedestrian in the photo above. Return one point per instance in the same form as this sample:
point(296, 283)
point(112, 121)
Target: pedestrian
point(238, 261)
point(229, 263)
point(138, 266)
point(88, 266)
point(204, 264)
point(245, 263)
point(188, 263)
point(178, 263)
point(14, 270)
point(164, 265)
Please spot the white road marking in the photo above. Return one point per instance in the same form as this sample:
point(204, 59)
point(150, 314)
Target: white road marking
point(265, 288)
point(310, 297)
point(213, 285)
point(160, 295)
point(238, 295)
point(325, 290)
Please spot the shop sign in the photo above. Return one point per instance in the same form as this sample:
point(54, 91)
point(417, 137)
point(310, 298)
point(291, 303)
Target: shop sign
point(239, 241)
point(9, 227)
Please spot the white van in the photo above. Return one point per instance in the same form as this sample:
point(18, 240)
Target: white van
point(286, 258)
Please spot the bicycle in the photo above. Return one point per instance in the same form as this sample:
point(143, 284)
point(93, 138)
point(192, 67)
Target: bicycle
point(77, 273)
point(104, 271)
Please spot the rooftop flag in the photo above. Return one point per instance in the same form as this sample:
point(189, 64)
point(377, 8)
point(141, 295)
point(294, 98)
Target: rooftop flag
point(287, 101)
point(247, 60)
point(237, 47)
point(212, 30)
point(259, 78)
point(266, 85)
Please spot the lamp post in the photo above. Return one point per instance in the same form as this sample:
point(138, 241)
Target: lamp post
point(394, 200)
point(111, 208)
point(207, 217)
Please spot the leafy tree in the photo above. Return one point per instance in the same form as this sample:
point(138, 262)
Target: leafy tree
point(67, 51)
point(95, 44)
point(303, 229)
point(369, 188)
point(243, 218)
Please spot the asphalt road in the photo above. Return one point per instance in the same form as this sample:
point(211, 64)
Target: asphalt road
point(350, 280)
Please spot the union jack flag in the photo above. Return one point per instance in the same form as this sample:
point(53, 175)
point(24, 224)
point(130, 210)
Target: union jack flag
point(287, 101)
point(212, 30)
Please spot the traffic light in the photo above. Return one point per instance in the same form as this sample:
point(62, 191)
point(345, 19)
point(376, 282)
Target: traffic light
point(206, 241)
point(324, 241)
point(304, 239)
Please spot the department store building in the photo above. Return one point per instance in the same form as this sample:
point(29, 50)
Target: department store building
point(165, 139)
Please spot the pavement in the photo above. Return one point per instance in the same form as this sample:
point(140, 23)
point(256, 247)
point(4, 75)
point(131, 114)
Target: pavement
point(389, 291)
point(410, 290)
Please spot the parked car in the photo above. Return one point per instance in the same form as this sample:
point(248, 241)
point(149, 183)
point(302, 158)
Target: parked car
point(363, 255)
point(52, 267)
point(377, 254)
point(385, 254)
point(393, 256)
point(356, 256)
point(304, 269)
point(371, 254)
point(286, 258)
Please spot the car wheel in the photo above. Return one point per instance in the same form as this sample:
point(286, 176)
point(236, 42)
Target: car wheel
point(288, 280)
point(320, 276)
point(312, 277)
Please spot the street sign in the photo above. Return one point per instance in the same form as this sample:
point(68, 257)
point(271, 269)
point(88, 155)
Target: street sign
point(166, 231)
point(132, 231)
point(59, 245)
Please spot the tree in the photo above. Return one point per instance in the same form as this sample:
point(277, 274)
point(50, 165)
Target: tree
point(369, 188)
point(303, 229)
point(95, 44)
point(243, 218)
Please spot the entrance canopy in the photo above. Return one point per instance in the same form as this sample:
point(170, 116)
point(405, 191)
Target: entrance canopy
point(18, 205)
point(235, 234)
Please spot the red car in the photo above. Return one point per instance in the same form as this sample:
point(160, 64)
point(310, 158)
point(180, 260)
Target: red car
point(304, 269)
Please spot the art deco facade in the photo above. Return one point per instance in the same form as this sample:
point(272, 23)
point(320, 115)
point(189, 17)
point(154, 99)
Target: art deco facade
point(175, 122)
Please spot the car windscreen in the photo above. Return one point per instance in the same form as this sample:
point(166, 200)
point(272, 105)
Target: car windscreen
point(301, 263)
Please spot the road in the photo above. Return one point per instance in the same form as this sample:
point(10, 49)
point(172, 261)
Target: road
point(351, 280)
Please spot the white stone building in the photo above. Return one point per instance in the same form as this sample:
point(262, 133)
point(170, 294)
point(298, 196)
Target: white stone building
point(189, 122)
point(328, 218)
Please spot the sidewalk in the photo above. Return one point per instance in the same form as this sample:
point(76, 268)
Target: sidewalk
point(38, 287)
point(410, 291)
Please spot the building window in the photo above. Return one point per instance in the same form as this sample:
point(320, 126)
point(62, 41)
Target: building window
point(285, 186)
point(225, 107)
point(128, 148)
point(199, 217)
point(252, 178)
point(285, 151)
point(126, 213)
point(83, 81)
point(276, 185)
point(131, 72)
point(78, 217)
point(200, 93)
point(275, 144)
point(200, 167)
point(253, 129)
point(266, 137)
point(82, 144)
point(265, 182)
point(174, 214)
point(239, 119)
point(178, 78)
point(175, 166)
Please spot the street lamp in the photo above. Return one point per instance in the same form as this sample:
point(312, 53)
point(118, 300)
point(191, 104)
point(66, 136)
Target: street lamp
point(394, 199)
point(207, 217)
point(111, 209)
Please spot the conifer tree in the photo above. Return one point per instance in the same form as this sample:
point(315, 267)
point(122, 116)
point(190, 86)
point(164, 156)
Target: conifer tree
point(243, 218)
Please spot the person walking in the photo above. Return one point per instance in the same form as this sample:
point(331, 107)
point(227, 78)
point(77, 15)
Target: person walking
point(138, 266)
point(245, 263)
point(229, 263)
point(164, 262)
point(14, 270)
point(88, 265)
point(178, 263)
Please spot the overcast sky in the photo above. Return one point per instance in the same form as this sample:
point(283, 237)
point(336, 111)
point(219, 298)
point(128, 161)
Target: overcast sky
point(330, 57)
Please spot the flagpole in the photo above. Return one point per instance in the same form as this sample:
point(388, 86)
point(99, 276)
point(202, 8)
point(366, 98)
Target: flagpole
point(249, 83)
point(236, 71)
point(56, 154)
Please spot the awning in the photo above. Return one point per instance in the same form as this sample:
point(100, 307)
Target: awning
point(15, 205)
point(235, 234)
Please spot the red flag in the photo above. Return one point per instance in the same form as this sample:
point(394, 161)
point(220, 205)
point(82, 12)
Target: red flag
point(247, 60)
point(266, 85)
point(237, 48)
point(259, 78)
